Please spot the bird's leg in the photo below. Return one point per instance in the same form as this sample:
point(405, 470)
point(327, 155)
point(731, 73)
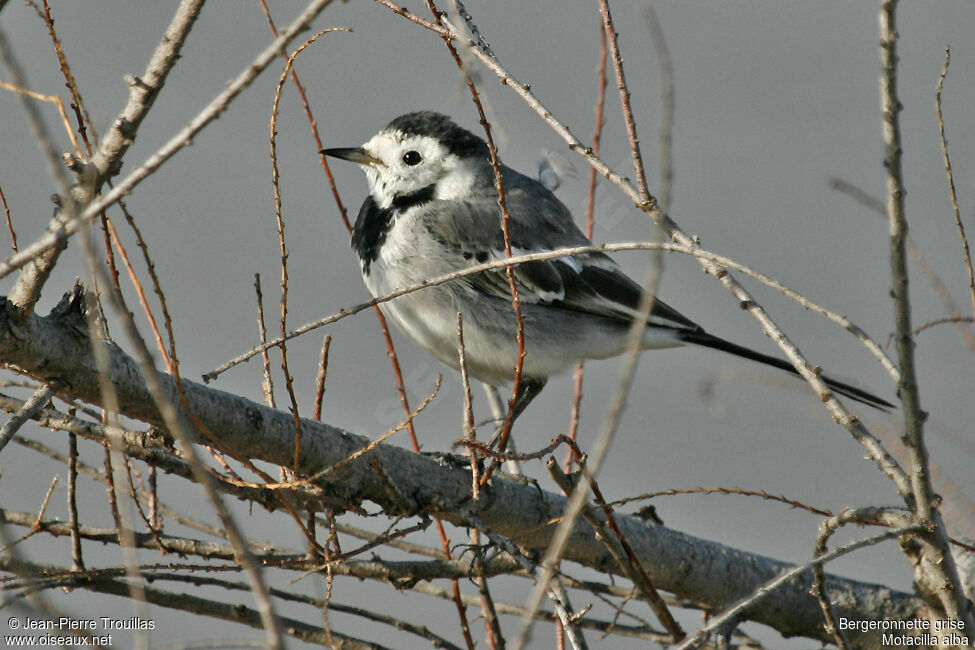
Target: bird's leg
point(528, 389)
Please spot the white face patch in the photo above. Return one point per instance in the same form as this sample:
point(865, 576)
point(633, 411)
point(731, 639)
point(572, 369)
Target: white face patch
point(412, 163)
point(455, 183)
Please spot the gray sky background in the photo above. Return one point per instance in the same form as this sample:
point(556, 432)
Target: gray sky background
point(772, 99)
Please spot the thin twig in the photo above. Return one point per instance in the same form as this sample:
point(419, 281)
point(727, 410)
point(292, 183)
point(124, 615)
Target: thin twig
point(318, 147)
point(149, 449)
point(44, 503)
point(137, 285)
point(10, 225)
point(876, 205)
point(719, 490)
point(163, 543)
point(631, 133)
point(377, 617)
point(597, 131)
point(357, 454)
point(312, 123)
point(492, 625)
point(597, 138)
point(408, 547)
point(282, 245)
point(236, 613)
point(267, 385)
point(77, 102)
point(37, 526)
point(77, 560)
point(84, 124)
point(31, 407)
point(97, 336)
point(698, 253)
point(129, 470)
point(507, 456)
point(606, 627)
point(665, 126)
point(54, 99)
point(951, 179)
point(942, 321)
point(320, 378)
point(383, 540)
point(106, 161)
point(506, 234)
point(470, 431)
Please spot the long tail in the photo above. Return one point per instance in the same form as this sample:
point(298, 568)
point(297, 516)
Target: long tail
point(707, 340)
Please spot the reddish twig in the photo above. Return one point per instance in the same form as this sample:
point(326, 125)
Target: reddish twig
point(110, 483)
point(720, 490)
point(942, 321)
point(951, 179)
point(313, 124)
point(597, 137)
point(502, 204)
point(282, 244)
point(506, 232)
point(54, 99)
point(138, 504)
point(632, 135)
point(470, 431)
point(84, 121)
point(625, 558)
point(10, 225)
point(483, 449)
point(140, 292)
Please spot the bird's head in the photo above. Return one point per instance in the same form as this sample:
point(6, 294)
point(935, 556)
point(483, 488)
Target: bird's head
point(419, 152)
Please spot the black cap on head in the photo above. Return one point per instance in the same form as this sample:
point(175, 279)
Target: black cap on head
point(458, 141)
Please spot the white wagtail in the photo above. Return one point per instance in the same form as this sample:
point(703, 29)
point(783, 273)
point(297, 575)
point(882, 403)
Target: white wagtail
point(433, 209)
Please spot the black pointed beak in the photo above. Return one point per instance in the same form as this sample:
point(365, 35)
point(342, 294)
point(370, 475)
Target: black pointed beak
point(353, 154)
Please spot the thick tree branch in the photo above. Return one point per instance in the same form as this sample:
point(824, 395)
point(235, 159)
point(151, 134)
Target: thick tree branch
point(56, 350)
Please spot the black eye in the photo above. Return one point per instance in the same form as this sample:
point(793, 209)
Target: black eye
point(412, 158)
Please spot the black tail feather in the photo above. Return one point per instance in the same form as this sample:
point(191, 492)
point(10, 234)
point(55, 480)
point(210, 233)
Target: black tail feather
point(707, 340)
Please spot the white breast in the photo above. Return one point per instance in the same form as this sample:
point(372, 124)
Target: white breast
point(424, 316)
